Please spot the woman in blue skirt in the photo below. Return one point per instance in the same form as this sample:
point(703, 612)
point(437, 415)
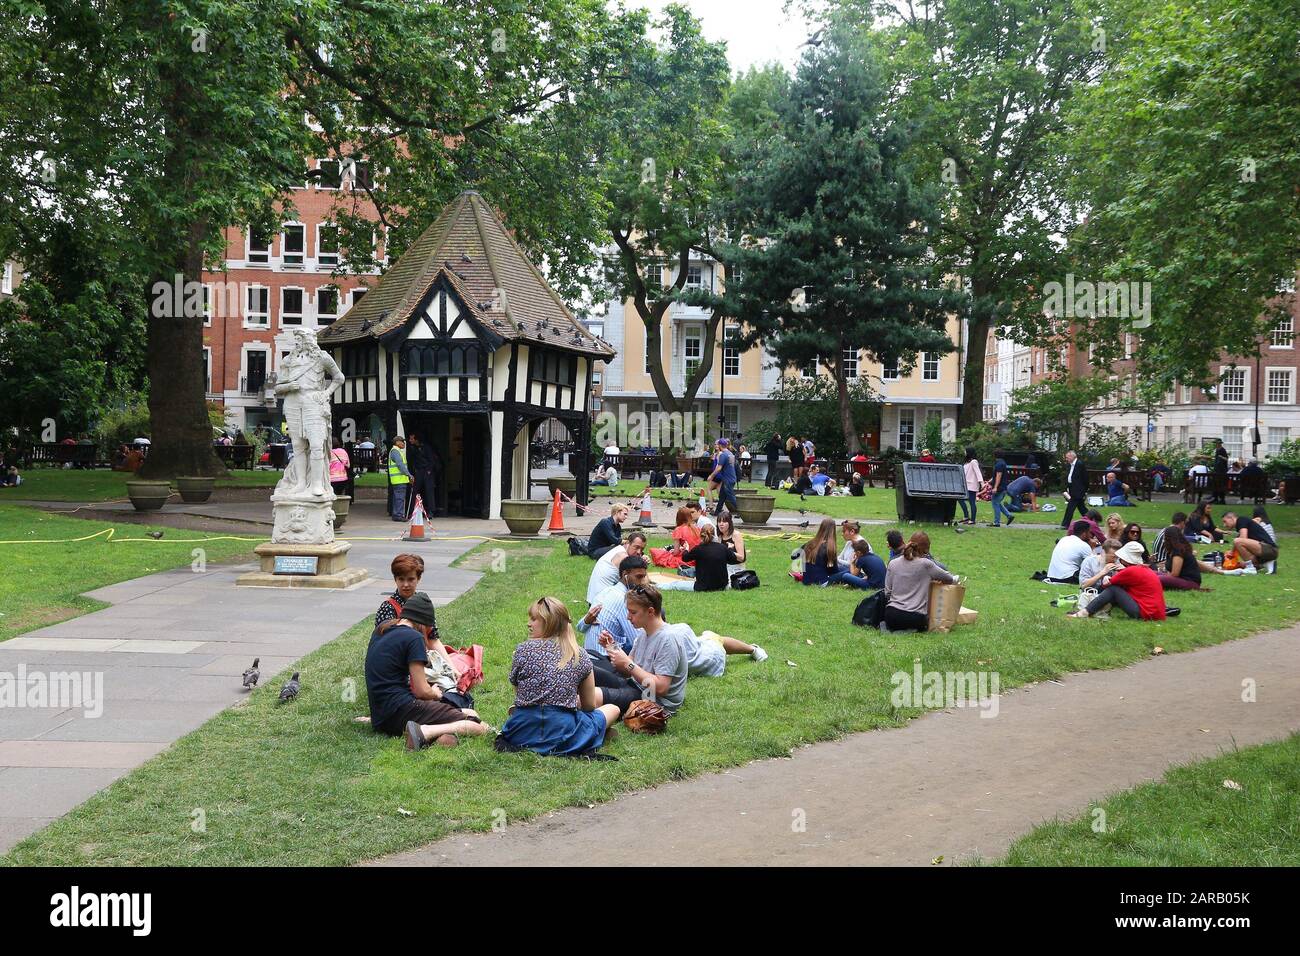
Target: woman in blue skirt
point(555, 711)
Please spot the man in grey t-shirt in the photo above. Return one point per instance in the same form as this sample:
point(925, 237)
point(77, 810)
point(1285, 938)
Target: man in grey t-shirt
point(662, 653)
point(658, 662)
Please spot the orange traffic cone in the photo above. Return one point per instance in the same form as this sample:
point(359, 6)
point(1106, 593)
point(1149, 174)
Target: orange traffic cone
point(646, 520)
point(557, 514)
point(415, 531)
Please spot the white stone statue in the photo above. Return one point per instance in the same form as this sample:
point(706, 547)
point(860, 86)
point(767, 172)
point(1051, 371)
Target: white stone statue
point(308, 379)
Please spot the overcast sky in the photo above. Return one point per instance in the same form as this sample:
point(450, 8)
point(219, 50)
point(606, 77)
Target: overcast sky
point(756, 31)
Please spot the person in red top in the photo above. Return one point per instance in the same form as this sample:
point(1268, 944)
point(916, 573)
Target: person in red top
point(926, 456)
point(1135, 589)
point(685, 537)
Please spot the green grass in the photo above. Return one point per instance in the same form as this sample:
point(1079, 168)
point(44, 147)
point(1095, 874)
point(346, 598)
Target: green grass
point(306, 785)
point(1187, 819)
point(100, 484)
point(42, 582)
point(881, 504)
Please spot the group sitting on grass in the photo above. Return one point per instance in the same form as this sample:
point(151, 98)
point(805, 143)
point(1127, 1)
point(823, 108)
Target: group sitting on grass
point(568, 695)
point(1128, 575)
point(824, 564)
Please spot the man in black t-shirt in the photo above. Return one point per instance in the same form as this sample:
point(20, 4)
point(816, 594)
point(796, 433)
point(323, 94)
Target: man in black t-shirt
point(402, 700)
point(1252, 542)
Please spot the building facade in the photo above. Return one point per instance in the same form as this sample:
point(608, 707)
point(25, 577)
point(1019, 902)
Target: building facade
point(1252, 406)
point(740, 386)
point(1252, 393)
point(10, 278)
point(270, 284)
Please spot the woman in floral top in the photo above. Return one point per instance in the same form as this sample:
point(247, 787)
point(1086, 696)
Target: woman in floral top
point(555, 710)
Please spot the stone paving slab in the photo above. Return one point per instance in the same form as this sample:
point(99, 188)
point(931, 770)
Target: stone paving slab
point(96, 755)
point(135, 730)
point(25, 724)
point(231, 665)
point(39, 793)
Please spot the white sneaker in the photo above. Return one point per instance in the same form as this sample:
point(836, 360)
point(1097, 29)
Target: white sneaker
point(758, 654)
point(1248, 569)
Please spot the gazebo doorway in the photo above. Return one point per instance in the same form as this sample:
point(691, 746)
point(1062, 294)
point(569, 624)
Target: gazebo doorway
point(462, 471)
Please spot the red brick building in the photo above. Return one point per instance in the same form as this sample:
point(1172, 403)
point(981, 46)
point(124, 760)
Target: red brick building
point(1251, 392)
point(271, 284)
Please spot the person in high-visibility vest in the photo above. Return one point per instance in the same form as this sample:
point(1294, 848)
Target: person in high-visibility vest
point(399, 477)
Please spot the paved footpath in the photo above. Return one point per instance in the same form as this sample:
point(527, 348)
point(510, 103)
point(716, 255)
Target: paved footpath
point(171, 649)
point(951, 783)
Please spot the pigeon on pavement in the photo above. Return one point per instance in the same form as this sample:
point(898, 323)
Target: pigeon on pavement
point(253, 675)
point(290, 690)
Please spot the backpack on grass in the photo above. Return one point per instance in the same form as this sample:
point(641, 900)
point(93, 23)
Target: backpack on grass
point(870, 610)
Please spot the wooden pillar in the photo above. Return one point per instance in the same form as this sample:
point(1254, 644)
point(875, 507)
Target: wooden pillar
point(584, 458)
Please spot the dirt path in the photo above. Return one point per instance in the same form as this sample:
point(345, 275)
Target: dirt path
point(951, 783)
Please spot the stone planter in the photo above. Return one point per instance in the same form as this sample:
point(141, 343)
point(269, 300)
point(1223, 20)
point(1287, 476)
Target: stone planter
point(524, 518)
point(342, 504)
point(745, 491)
point(148, 495)
point(755, 509)
point(195, 490)
point(567, 485)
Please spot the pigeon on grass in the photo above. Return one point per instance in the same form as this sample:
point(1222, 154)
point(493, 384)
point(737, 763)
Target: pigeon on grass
point(290, 689)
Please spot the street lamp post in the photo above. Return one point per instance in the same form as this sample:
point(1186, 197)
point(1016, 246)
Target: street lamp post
point(1254, 438)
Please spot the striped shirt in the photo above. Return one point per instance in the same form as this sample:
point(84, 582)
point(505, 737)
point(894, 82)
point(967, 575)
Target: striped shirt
point(612, 618)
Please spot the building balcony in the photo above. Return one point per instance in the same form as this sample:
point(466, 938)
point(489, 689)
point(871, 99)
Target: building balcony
point(261, 389)
point(683, 312)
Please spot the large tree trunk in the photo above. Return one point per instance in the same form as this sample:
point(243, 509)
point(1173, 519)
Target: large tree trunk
point(972, 395)
point(180, 432)
point(178, 412)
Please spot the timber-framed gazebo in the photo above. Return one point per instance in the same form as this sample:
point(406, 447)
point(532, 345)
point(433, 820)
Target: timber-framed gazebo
point(463, 341)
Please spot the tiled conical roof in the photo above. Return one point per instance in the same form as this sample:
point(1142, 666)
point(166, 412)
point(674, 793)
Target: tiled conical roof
point(468, 246)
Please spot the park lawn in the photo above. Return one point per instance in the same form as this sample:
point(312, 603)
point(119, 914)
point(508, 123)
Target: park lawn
point(1189, 818)
point(881, 504)
point(42, 583)
point(305, 785)
point(100, 484)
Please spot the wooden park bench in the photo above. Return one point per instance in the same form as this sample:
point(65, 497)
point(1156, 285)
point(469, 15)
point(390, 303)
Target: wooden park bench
point(234, 456)
point(58, 455)
point(364, 459)
point(1139, 483)
point(633, 465)
point(1197, 486)
point(872, 470)
point(1257, 488)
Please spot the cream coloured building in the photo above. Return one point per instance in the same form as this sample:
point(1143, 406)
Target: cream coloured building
point(741, 384)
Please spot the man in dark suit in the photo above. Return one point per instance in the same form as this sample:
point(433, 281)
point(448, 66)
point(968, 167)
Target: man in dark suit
point(1076, 487)
point(1220, 484)
point(421, 466)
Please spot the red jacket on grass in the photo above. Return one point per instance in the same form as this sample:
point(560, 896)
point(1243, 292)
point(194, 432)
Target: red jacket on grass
point(1143, 585)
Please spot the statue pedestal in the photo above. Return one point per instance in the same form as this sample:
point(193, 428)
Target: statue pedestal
point(302, 518)
point(331, 562)
point(302, 545)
